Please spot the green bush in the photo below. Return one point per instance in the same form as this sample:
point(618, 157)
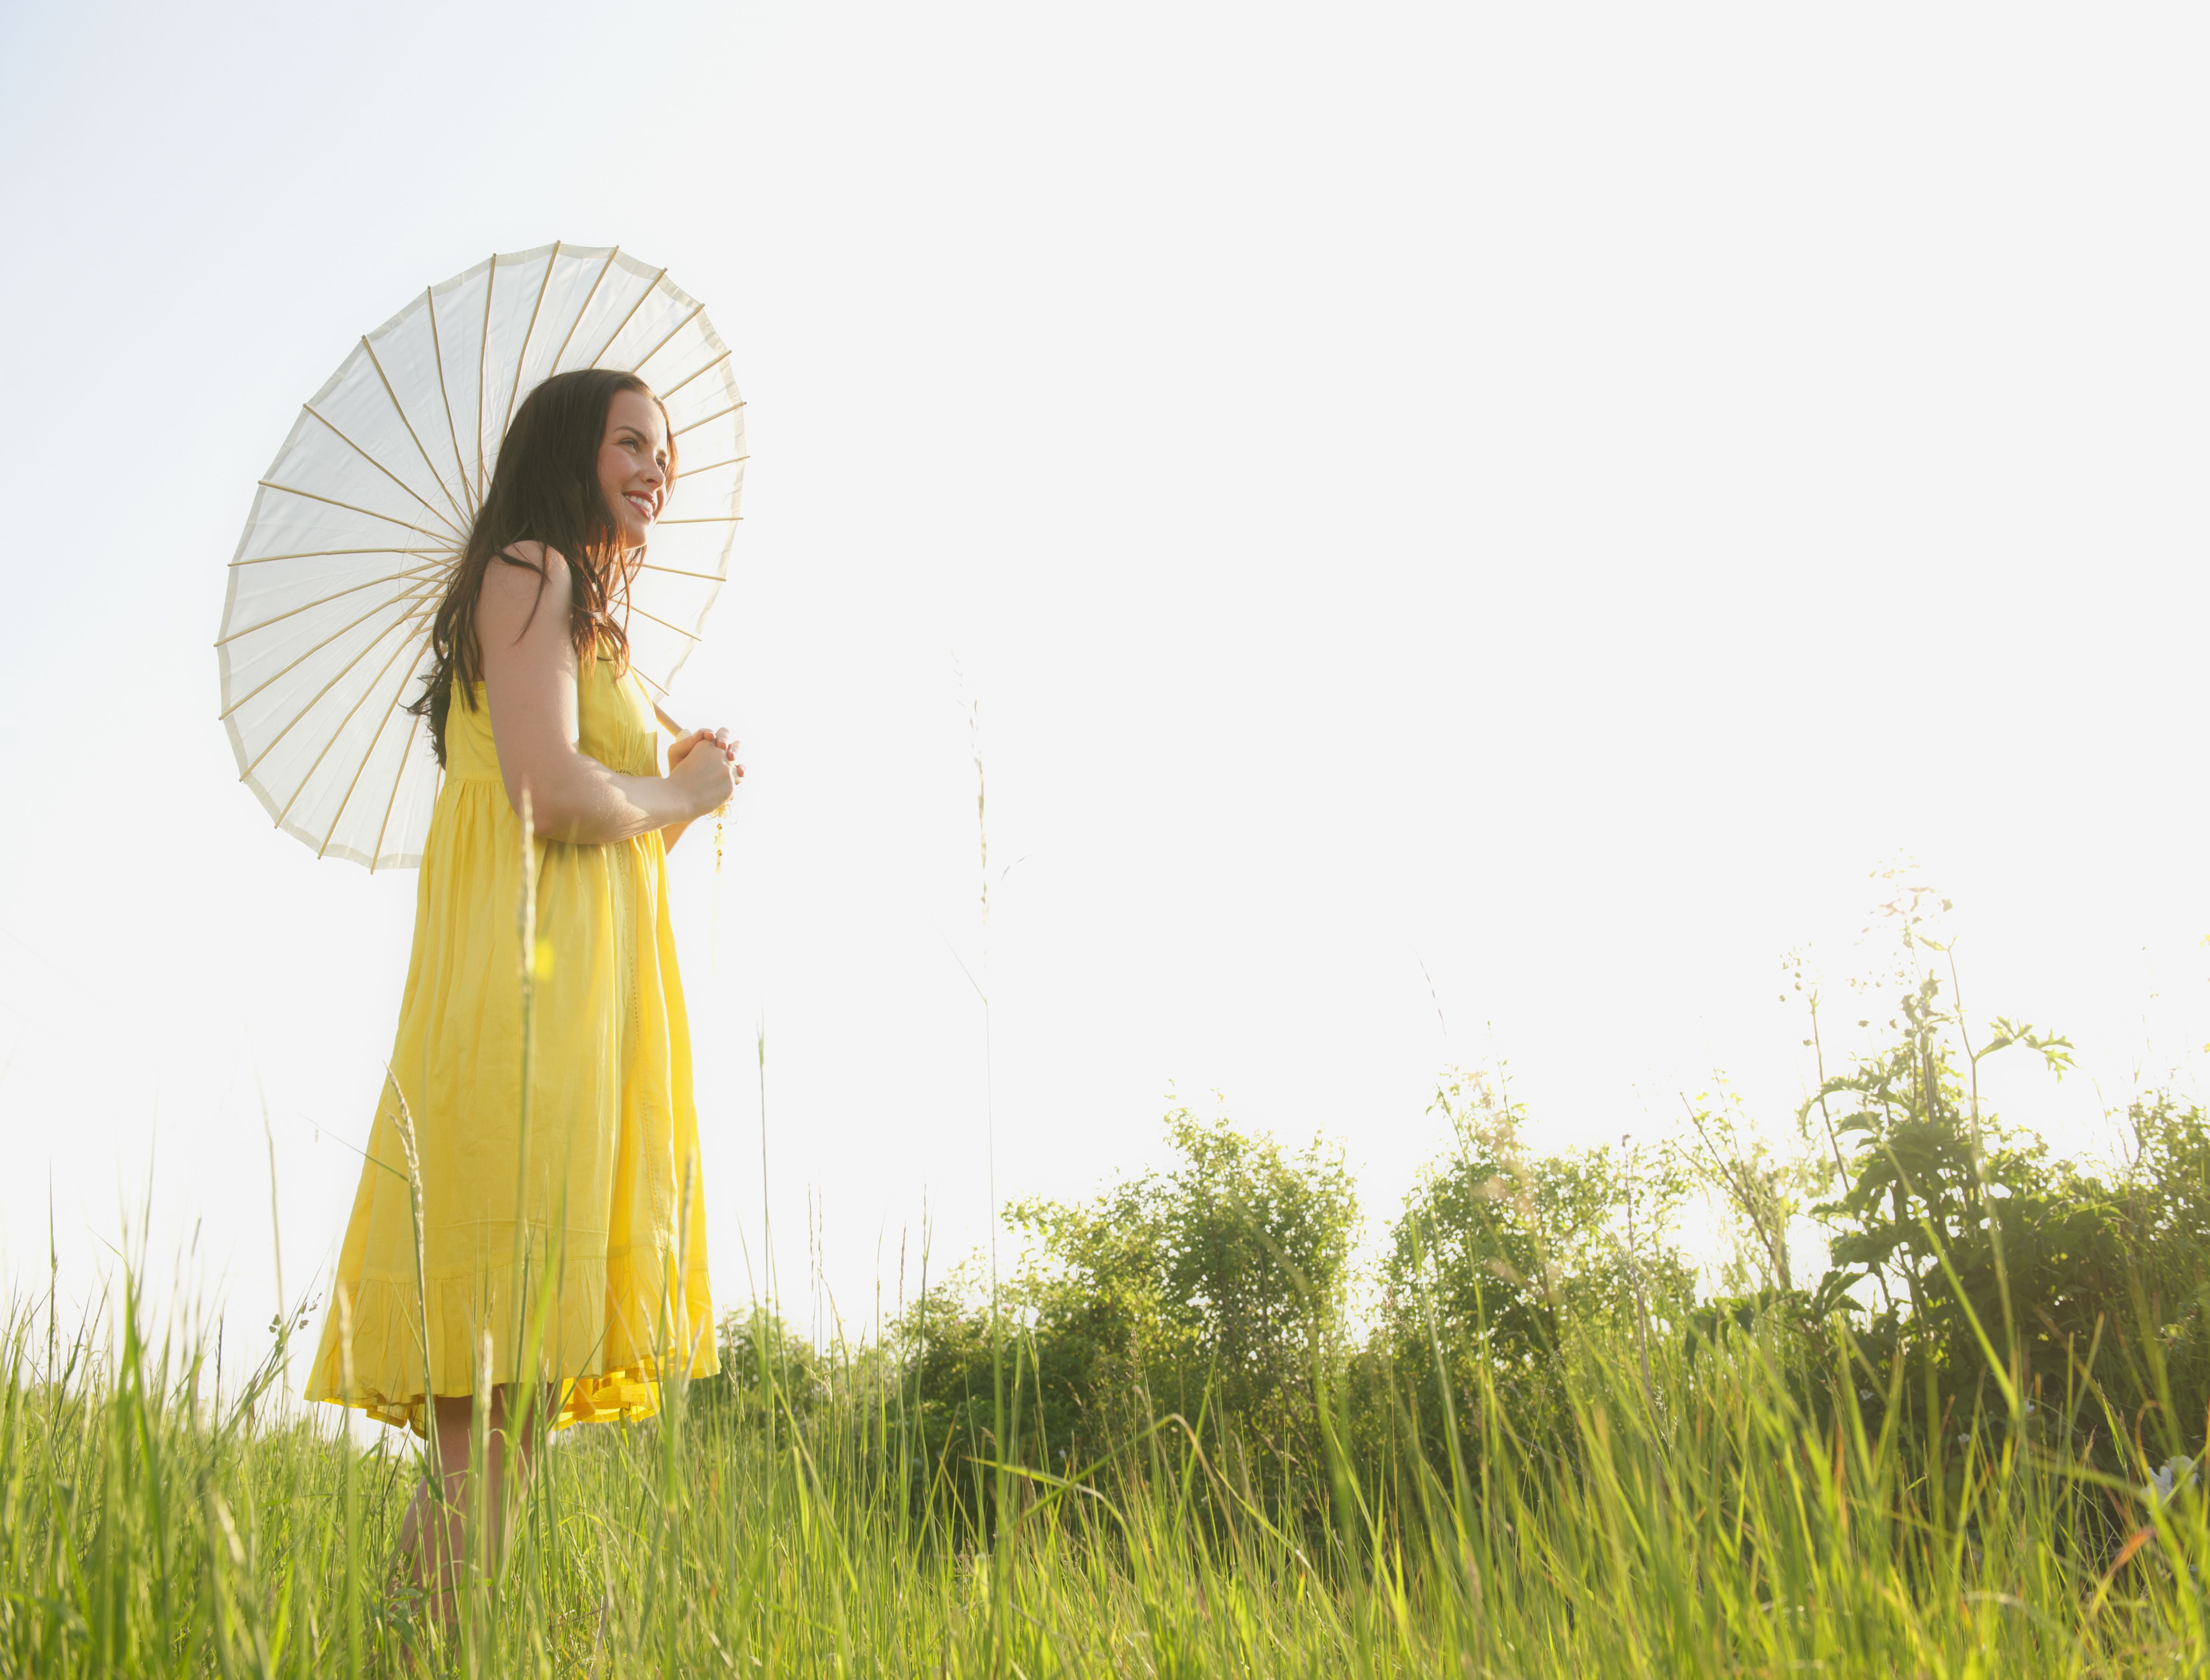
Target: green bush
point(1213, 1290)
point(1503, 1257)
point(1974, 1286)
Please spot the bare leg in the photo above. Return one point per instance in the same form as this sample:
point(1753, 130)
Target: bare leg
point(434, 1534)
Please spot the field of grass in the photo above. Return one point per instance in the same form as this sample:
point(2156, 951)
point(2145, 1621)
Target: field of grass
point(1698, 1520)
point(1163, 1444)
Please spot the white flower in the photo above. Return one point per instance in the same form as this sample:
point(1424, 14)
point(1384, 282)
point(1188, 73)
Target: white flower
point(2176, 1473)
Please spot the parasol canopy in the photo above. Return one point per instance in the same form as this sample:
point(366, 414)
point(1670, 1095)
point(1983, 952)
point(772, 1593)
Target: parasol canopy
point(359, 520)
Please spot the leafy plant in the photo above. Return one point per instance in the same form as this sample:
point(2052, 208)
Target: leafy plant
point(1502, 1256)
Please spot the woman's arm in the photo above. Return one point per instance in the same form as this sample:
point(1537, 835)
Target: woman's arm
point(530, 684)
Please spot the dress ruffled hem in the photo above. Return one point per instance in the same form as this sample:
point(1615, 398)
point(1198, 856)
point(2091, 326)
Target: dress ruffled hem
point(607, 1363)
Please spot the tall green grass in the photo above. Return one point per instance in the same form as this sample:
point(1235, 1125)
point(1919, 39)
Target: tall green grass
point(1700, 1519)
point(1689, 1506)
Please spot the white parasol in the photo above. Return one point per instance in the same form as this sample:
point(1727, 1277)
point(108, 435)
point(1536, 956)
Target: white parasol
point(359, 520)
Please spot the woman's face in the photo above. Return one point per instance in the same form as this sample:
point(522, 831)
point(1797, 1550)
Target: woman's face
point(633, 465)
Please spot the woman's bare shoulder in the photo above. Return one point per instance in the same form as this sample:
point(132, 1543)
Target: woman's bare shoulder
point(532, 556)
point(525, 579)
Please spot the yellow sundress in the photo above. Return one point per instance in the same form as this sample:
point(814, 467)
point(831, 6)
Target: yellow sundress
point(610, 1293)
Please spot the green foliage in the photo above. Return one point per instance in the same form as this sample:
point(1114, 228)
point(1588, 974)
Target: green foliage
point(1212, 1289)
point(145, 1529)
point(1970, 1270)
point(1220, 1279)
point(1990, 1258)
point(2163, 1365)
point(771, 1372)
point(953, 1355)
point(1978, 1271)
point(1185, 1435)
point(1503, 1257)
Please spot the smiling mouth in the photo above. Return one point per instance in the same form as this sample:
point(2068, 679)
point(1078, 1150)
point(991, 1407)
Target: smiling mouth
point(644, 507)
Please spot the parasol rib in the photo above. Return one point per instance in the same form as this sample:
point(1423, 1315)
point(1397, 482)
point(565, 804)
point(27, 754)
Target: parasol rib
point(416, 573)
point(715, 466)
point(322, 554)
point(361, 769)
point(688, 377)
point(330, 501)
point(637, 366)
point(394, 800)
point(436, 477)
point(663, 623)
point(340, 730)
point(483, 353)
point(382, 468)
point(368, 647)
point(586, 307)
point(341, 631)
point(651, 286)
point(522, 357)
point(438, 351)
point(678, 572)
point(704, 519)
point(710, 419)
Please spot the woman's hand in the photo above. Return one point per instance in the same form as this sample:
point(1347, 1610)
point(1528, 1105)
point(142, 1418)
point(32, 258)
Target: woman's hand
point(703, 764)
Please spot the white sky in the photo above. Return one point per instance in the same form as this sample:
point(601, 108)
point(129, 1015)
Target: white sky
point(1554, 493)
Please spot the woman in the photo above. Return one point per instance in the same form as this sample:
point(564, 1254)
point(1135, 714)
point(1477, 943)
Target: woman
point(561, 1265)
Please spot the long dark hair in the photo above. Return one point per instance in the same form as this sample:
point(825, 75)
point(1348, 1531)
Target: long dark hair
point(544, 489)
